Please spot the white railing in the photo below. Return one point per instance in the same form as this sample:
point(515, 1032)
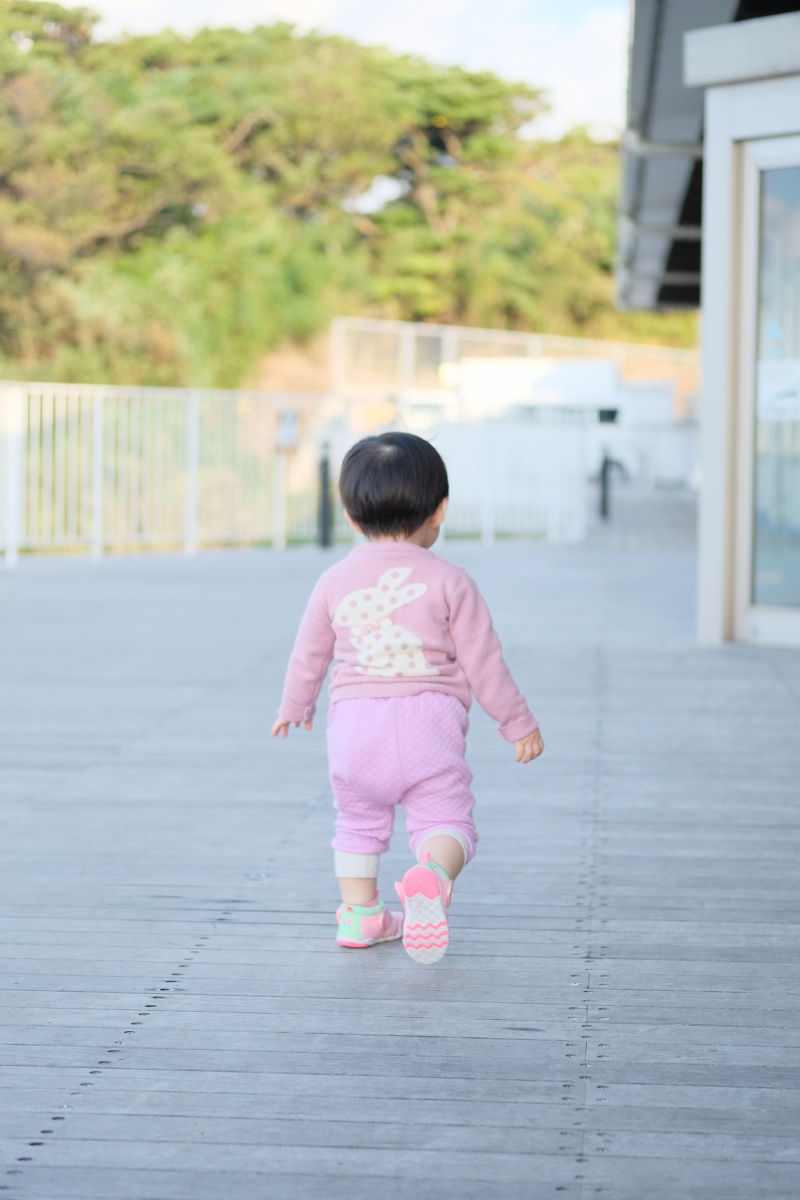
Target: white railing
point(95, 469)
point(371, 357)
point(90, 470)
point(85, 468)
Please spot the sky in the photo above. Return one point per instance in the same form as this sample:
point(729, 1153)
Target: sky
point(576, 49)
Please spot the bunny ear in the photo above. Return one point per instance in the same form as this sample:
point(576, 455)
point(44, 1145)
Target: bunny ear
point(411, 592)
point(349, 608)
point(393, 578)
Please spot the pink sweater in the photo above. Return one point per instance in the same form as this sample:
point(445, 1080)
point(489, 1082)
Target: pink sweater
point(441, 641)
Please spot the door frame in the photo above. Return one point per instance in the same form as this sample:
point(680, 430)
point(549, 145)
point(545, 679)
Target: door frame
point(759, 623)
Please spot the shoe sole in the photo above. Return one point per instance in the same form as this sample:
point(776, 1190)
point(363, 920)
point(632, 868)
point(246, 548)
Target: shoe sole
point(366, 945)
point(426, 934)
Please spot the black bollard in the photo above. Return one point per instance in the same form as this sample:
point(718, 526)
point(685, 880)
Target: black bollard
point(605, 488)
point(325, 507)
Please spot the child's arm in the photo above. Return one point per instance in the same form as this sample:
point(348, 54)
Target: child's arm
point(308, 665)
point(479, 652)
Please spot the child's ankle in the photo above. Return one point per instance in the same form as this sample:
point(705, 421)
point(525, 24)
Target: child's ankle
point(441, 870)
point(364, 906)
point(362, 892)
point(426, 861)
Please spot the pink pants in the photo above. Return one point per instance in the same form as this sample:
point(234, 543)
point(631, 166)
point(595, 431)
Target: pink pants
point(406, 750)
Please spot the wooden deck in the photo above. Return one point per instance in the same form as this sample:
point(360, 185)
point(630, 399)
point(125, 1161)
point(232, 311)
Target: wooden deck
point(617, 1015)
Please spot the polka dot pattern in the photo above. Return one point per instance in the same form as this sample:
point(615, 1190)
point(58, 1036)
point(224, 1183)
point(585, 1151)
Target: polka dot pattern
point(385, 647)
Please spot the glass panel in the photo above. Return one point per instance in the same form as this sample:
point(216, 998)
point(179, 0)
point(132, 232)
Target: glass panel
point(776, 548)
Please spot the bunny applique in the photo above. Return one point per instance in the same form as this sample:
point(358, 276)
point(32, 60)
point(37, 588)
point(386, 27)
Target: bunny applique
point(384, 647)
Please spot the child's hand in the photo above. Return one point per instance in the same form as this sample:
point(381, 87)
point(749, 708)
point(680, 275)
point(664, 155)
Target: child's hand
point(530, 747)
point(281, 728)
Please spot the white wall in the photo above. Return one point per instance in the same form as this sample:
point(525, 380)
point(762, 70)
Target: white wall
point(516, 477)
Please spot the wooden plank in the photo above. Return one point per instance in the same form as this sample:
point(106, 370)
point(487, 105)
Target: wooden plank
point(629, 1031)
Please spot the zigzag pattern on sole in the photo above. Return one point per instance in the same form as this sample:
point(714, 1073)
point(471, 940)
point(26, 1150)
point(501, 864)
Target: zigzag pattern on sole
point(426, 935)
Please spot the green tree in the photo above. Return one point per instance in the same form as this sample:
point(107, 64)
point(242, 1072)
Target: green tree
point(172, 208)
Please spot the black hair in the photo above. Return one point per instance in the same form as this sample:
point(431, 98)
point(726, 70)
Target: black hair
point(390, 484)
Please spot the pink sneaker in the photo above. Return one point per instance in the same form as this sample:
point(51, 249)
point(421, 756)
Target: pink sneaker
point(361, 926)
point(425, 893)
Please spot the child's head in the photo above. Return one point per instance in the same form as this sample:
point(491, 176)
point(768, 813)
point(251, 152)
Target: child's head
point(392, 484)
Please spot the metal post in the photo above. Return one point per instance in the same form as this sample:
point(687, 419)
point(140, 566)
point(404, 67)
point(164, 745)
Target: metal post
point(192, 465)
point(15, 449)
point(97, 476)
point(325, 508)
point(279, 501)
point(605, 489)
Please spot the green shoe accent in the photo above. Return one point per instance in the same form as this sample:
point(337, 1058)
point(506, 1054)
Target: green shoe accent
point(435, 867)
point(366, 925)
point(425, 861)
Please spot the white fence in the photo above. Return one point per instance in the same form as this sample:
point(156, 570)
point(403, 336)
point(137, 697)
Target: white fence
point(94, 469)
point(391, 359)
point(90, 469)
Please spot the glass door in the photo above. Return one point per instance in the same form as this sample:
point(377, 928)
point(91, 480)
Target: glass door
point(768, 492)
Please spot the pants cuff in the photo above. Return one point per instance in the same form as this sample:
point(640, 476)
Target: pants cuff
point(356, 866)
point(446, 831)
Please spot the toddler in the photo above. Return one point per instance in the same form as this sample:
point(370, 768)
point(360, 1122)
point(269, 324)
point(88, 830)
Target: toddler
point(413, 641)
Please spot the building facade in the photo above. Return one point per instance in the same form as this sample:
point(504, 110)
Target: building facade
point(711, 216)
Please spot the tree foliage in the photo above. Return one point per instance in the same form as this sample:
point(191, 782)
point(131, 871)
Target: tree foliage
point(171, 208)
